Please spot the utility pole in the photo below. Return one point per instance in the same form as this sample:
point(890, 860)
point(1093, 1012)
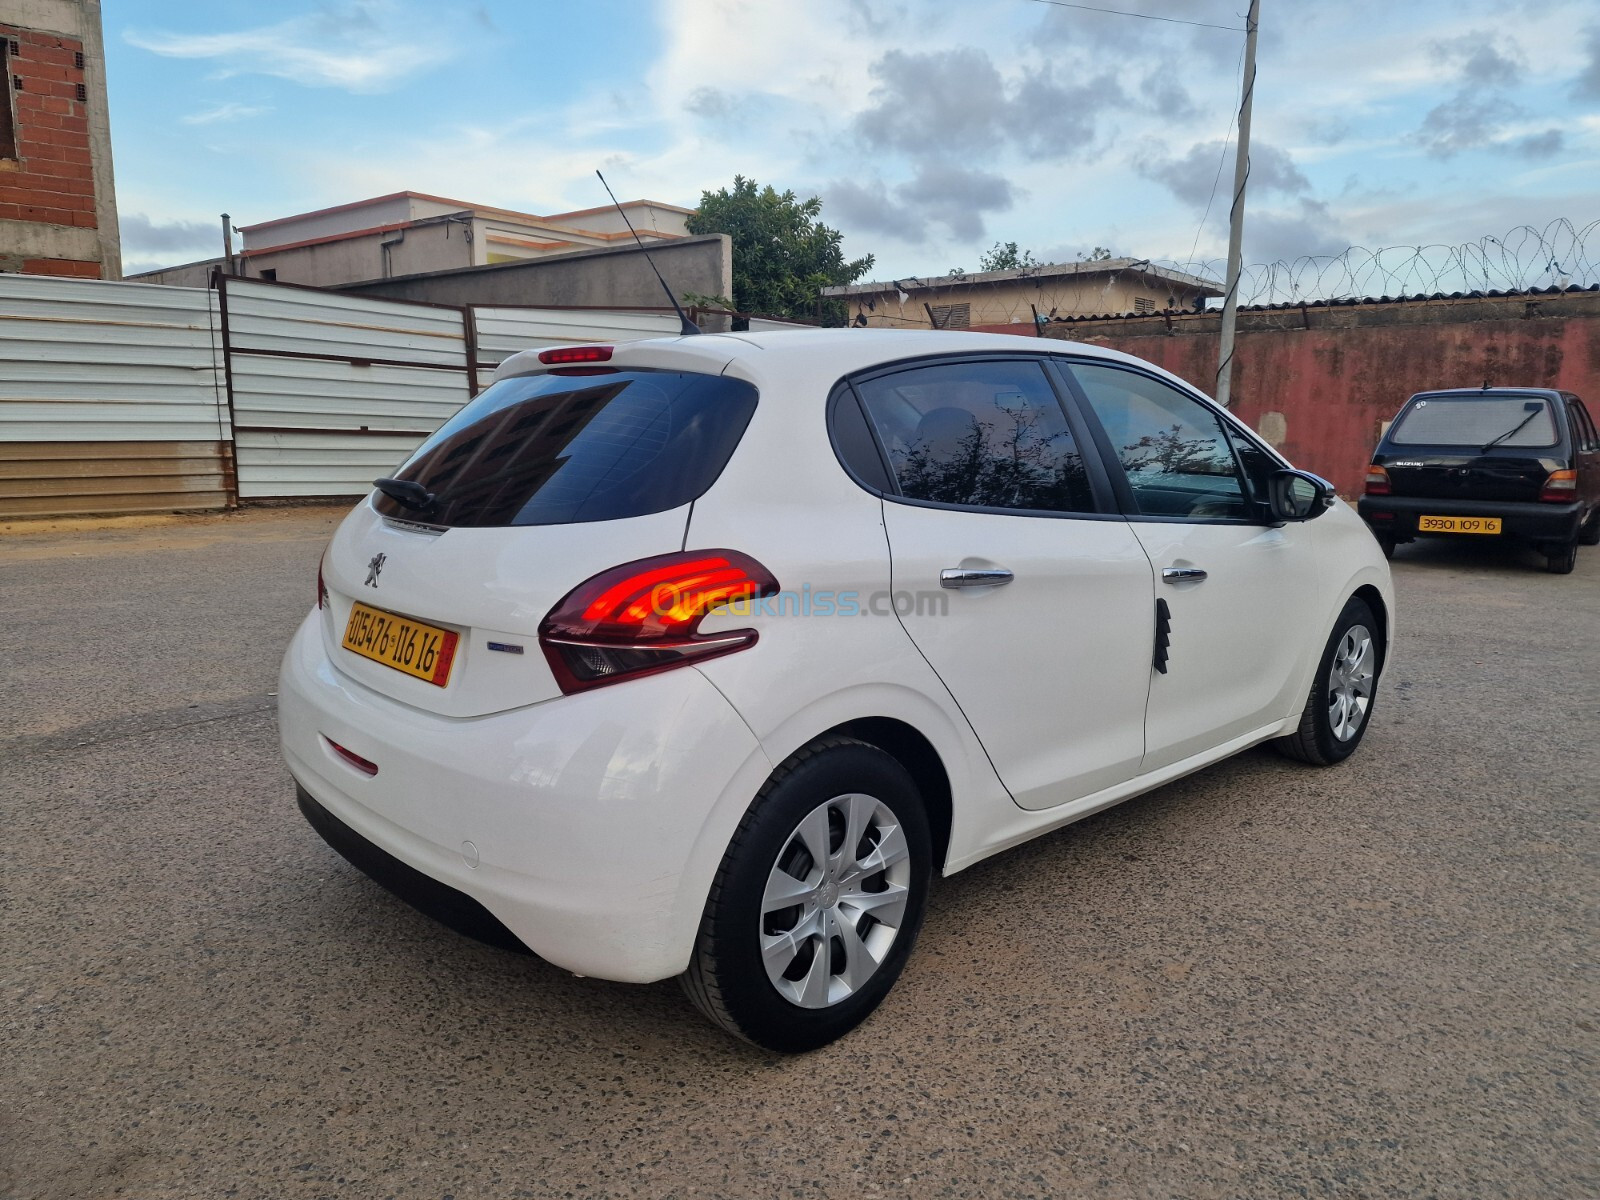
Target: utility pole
point(227, 240)
point(1241, 174)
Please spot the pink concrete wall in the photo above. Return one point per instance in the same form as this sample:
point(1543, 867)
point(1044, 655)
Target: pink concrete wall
point(1334, 386)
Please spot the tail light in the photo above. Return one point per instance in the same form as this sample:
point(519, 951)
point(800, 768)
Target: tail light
point(1377, 481)
point(644, 617)
point(322, 588)
point(1560, 487)
point(565, 355)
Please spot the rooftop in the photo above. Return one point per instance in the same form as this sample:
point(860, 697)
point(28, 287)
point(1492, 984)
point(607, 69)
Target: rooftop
point(1085, 268)
point(461, 205)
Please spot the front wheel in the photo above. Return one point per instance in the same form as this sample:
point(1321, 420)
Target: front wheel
point(818, 900)
point(1340, 704)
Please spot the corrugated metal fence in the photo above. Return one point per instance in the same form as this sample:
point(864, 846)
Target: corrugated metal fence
point(130, 397)
point(111, 398)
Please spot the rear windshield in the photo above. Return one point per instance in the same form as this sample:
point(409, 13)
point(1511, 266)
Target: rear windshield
point(1475, 421)
point(560, 449)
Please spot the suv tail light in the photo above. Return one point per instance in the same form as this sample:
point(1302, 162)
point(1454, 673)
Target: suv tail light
point(644, 617)
point(1560, 487)
point(1377, 481)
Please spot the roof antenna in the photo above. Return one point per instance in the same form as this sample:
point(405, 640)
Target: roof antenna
point(686, 326)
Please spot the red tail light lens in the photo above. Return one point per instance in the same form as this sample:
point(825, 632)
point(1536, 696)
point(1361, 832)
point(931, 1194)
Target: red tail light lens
point(365, 765)
point(1560, 487)
point(645, 616)
point(1377, 481)
point(561, 355)
point(322, 588)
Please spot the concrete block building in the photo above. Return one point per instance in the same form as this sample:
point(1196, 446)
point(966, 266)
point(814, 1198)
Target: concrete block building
point(58, 212)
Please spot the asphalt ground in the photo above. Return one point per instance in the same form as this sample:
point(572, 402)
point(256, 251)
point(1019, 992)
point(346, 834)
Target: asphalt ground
point(1265, 980)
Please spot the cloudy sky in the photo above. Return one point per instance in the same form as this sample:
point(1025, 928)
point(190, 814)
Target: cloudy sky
point(931, 128)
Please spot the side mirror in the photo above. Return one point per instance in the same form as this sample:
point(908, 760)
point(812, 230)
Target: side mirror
point(1298, 496)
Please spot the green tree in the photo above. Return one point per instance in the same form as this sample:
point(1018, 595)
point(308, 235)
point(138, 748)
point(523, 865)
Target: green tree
point(783, 254)
point(1006, 257)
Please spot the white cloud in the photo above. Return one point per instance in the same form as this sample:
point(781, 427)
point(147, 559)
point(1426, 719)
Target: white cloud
point(358, 46)
point(226, 112)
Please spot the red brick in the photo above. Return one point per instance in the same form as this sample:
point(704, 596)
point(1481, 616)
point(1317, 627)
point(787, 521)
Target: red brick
point(50, 216)
point(61, 266)
point(64, 177)
point(34, 72)
point(10, 212)
point(59, 105)
point(87, 220)
point(55, 56)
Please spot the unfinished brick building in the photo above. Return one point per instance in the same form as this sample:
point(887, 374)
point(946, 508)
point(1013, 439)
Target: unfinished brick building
point(57, 203)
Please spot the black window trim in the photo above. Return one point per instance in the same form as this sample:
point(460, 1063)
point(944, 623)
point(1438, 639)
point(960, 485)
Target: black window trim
point(1100, 487)
point(1233, 431)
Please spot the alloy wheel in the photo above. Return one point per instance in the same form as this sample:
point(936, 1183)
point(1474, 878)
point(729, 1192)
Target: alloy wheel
point(835, 900)
point(1350, 682)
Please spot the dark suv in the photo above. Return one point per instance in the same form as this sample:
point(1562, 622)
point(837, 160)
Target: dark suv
point(1509, 462)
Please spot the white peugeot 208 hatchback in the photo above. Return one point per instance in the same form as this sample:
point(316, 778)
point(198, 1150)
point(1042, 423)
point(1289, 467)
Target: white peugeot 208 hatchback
point(699, 656)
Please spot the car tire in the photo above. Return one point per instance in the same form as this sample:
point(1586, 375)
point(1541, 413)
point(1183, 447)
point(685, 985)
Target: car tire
point(1386, 544)
point(758, 969)
point(1339, 708)
point(1589, 534)
point(1561, 558)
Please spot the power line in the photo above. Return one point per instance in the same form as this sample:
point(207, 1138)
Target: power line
point(1142, 16)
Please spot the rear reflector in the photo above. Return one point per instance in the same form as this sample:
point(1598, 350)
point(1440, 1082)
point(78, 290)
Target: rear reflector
point(365, 766)
point(1377, 481)
point(575, 354)
point(1560, 487)
point(644, 617)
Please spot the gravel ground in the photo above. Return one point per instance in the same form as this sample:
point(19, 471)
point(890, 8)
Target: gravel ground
point(1266, 980)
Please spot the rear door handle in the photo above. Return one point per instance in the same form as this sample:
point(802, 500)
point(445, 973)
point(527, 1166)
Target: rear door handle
point(1182, 574)
point(964, 577)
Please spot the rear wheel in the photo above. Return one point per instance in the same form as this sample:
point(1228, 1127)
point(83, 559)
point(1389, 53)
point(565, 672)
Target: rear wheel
point(1386, 544)
point(1589, 535)
point(1336, 713)
point(818, 900)
point(1561, 558)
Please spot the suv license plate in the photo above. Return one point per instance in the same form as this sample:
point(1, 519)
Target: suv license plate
point(422, 651)
point(1458, 524)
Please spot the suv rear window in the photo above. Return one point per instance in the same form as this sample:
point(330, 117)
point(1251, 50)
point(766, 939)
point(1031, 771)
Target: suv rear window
point(1475, 421)
point(560, 449)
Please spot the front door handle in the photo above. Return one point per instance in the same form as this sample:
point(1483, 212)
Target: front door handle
point(964, 577)
point(1182, 574)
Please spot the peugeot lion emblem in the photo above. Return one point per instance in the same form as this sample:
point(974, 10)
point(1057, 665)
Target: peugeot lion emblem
point(374, 568)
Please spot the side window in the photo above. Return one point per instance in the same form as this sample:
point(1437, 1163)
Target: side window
point(1583, 430)
point(1173, 449)
point(979, 435)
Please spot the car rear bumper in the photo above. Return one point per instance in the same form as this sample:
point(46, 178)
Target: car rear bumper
point(1396, 516)
point(582, 827)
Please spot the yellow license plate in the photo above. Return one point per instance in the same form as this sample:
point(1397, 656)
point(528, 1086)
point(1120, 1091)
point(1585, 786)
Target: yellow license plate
point(1458, 524)
point(423, 651)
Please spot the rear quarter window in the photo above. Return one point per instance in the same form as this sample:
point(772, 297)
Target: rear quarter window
point(558, 449)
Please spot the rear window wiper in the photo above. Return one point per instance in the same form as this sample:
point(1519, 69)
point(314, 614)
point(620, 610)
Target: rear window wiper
point(1533, 409)
point(407, 492)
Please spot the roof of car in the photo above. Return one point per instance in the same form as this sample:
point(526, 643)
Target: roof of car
point(848, 349)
